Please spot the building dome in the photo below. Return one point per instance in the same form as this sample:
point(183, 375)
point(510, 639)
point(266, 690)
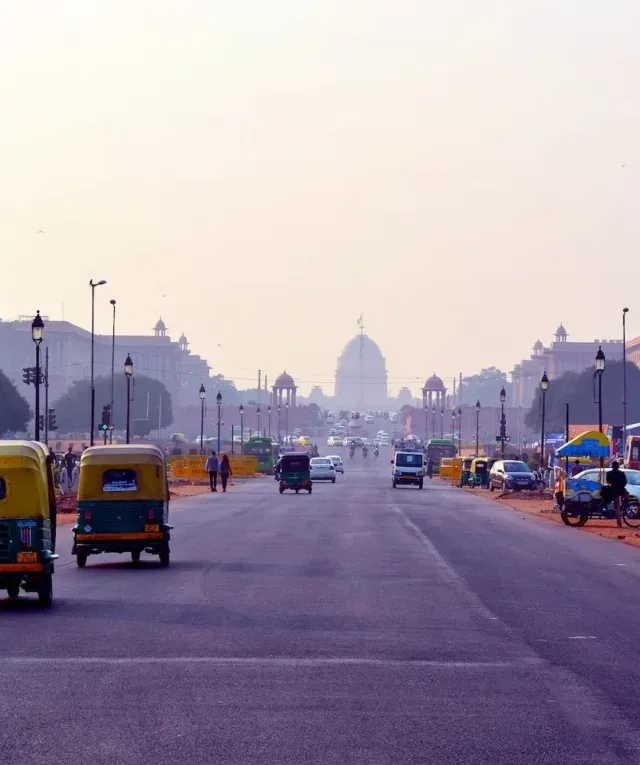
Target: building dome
point(160, 325)
point(561, 332)
point(361, 375)
point(284, 381)
point(434, 383)
point(538, 347)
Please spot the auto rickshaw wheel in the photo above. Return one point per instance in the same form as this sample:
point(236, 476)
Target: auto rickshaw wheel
point(164, 556)
point(570, 519)
point(81, 559)
point(135, 556)
point(45, 591)
point(13, 589)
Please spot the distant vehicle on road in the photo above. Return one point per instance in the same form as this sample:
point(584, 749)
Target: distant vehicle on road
point(262, 448)
point(511, 475)
point(437, 448)
point(338, 464)
point(322, 469)
point(408, 468)
point(334, 441)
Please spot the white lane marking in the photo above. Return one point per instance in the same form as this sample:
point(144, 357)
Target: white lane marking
point(582, 637)
point(269, 661)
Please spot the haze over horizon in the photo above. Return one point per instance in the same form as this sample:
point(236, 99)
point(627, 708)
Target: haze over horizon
point(466, 176)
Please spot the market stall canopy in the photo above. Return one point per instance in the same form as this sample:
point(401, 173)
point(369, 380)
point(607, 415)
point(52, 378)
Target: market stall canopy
point(590, 444)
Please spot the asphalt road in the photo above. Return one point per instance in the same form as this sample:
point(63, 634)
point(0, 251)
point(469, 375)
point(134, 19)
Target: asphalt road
point(356, 625)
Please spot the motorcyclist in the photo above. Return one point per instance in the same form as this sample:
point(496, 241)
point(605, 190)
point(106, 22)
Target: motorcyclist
point(365, 451)
point(376, 452)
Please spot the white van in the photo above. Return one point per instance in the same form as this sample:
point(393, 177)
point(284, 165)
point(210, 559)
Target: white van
point(407, 468)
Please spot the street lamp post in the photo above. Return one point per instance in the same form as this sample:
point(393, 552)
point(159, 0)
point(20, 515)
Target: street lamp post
point(624, 375)
point(600, 363)
point(279, 427)
point(442, 423)
point(478, 407)
point(202, 392)
point(503, 422)
point(544, 385)
point(453, 426)
point(219, 403)
point(241, 428)
point(37, 335)
point(269, 414)
point(258, 416)
point(460, 431)
point(286, 421)
point(433, 421)
point(128, 371)
point(426, 423)
point(113, 369)
point(93, 286)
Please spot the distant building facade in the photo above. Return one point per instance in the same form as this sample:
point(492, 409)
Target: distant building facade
point(361, 376)
point(69, 346)
point(560, 357)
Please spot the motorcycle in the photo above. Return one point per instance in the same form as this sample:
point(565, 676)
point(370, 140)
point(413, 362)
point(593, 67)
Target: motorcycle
point(376, 453)
point(352, 452)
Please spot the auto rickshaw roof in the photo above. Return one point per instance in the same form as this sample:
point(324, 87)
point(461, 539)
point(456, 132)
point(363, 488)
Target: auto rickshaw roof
point(29, 449)
point(122, 453)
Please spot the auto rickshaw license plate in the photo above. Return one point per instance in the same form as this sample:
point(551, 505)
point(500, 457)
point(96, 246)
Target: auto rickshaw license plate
point(151, 527)
point(30, 557)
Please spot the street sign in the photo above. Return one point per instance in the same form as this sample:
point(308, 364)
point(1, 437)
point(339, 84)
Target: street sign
point(499, 439)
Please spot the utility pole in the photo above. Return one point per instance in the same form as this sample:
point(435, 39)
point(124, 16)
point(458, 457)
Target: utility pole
point(46, 395)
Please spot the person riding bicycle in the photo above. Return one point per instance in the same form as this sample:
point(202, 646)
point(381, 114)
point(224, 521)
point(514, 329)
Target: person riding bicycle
point(617, 482)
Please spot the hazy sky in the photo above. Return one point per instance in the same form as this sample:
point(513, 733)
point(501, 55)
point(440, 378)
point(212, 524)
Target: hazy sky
point(452, 169)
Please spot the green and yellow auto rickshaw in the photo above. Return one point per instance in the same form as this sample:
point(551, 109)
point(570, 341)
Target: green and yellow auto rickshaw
point(480, 472)
point(123, 503)
point(295, 472)
point(466, 471)
point(27, 520)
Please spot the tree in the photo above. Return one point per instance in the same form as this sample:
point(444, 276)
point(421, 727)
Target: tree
point(14, 409)
point(485, 387)
point(150, 405)
point(577, 390)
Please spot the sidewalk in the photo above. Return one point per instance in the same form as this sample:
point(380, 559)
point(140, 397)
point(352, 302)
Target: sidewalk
point(544, 508)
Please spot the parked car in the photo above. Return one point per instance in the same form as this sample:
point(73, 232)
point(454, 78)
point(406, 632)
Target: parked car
point(633, 478)
point(338, 464)
point(322, 469)
point(511, 475)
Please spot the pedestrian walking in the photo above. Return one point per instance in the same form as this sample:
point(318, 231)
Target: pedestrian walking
point(617, 481)
point(75, 478)
point(69, 461)
point(576, 468)
point(225, 471)
point(64, 480)
point(212, 466)
point(430, 467)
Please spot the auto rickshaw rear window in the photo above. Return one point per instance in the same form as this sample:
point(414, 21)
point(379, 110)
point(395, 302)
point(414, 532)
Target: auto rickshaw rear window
point(3, 488)
point(119, 480)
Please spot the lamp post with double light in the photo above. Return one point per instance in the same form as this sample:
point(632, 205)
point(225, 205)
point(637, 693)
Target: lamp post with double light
point(203, 394)
point(37, 335)
point(128, 371)
point(93, 286)
point(544, 386)
point(241, 410)
point(478, 407)
point(219, 403)
point(600, 364)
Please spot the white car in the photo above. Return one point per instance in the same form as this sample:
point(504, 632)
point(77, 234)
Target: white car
point(334, 441)
point(322, 469)
point(338, 464)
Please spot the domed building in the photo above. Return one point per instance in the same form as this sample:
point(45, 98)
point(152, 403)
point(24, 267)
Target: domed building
point(361, 375)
